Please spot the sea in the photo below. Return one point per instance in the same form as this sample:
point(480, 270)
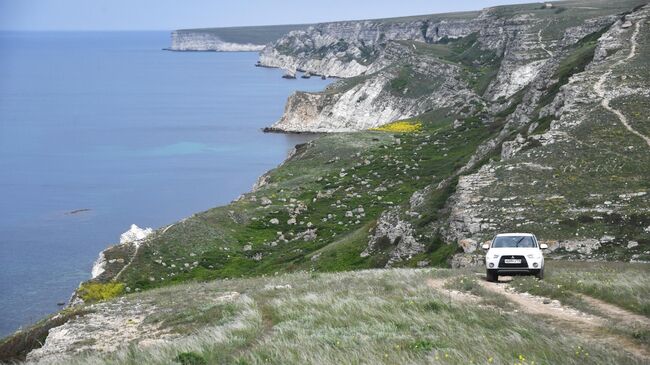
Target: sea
point(101, 130)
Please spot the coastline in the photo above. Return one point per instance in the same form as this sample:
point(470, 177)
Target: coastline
point(282, 131)
point(100, 264)
point(78, 265)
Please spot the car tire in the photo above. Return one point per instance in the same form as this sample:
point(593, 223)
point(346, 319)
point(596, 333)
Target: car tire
point(492, 276)
point(540, 274)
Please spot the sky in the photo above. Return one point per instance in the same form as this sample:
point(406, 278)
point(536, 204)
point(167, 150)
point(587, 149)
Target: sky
point(175, 14)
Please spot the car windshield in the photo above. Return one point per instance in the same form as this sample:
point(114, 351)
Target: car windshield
point(514, 241)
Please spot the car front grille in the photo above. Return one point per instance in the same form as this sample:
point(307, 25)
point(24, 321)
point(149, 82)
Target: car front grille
point(502, 261)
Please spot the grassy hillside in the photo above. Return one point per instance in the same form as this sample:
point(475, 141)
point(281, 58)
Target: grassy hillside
point(321, 205)
point(253, 281)
point(415, 316)
point(319, 209)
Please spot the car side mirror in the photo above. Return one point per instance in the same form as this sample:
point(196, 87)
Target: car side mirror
point(543, 246)
point(486, 246)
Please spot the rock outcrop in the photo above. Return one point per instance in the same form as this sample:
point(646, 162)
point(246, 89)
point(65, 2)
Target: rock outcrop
point(135, 235)
point(557, 183)
point(377, 99)
point(347, 49)
point(511, 50)
point(395, 237)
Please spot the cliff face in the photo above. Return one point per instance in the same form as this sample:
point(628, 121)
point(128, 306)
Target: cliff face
point(232, 39)
point(347, 49)
point(205, 41)
point(384, 96)
point(485, 58)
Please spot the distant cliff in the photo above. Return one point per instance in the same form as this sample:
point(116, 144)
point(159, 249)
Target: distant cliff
point(232, 39)
point(206, 41)
point(398, 68)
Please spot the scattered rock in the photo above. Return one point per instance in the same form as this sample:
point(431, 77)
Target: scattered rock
point(289, 74)
point(462, 260)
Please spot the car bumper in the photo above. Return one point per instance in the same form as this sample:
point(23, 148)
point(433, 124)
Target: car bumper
point(532, 264)
point(516, 271)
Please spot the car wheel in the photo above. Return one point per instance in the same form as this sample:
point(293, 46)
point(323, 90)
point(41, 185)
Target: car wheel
point(492, 275)
point(540, 274)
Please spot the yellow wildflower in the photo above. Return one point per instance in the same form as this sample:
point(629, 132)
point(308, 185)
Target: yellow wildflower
point(400, 126)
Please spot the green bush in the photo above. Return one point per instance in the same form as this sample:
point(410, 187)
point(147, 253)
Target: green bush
point(94, 292)
point(190, 358)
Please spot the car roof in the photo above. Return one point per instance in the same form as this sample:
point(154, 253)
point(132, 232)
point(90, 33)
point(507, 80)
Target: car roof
point(514, 234)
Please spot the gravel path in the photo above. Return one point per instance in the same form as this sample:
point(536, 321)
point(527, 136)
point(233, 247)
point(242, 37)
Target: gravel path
point(600, 90)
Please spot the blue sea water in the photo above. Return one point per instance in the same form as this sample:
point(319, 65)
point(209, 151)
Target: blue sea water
point(107, 121)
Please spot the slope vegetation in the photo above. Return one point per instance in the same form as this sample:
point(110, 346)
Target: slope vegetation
point(415, 316)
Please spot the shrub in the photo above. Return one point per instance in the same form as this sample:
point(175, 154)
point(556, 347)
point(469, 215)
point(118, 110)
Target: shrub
point(93, 292)
point(190, 358)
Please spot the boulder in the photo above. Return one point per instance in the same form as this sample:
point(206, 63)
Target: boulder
point(135, 234)
point(289, 74)
point(468, 244)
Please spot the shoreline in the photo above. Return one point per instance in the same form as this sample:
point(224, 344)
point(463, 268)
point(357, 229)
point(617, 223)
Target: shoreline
point(282, 131)
point(205, 50)
point(72, 300)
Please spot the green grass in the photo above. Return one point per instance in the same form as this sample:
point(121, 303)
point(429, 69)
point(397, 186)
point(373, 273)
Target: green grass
point(478, 66)
point(376, 316)
point(409, 83)
point(575, 62)
point(621, 284)
point(326, 182)
point(469, 283)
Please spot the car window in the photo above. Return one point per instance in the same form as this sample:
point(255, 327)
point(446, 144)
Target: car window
point(514, 241)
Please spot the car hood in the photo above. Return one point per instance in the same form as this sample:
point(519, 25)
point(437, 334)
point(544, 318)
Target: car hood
point(501, 251)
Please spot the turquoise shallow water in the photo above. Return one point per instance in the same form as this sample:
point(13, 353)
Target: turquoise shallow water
point(107, 121)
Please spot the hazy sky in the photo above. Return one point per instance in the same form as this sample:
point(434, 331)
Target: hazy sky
point(174, 14)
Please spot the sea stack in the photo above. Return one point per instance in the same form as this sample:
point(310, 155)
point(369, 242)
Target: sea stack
point(289, 74)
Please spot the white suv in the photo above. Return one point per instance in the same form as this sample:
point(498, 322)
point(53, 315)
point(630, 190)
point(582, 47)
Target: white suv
point(514, 254)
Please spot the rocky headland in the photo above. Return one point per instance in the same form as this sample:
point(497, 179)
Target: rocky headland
point(450, 128)
point(232, 39)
